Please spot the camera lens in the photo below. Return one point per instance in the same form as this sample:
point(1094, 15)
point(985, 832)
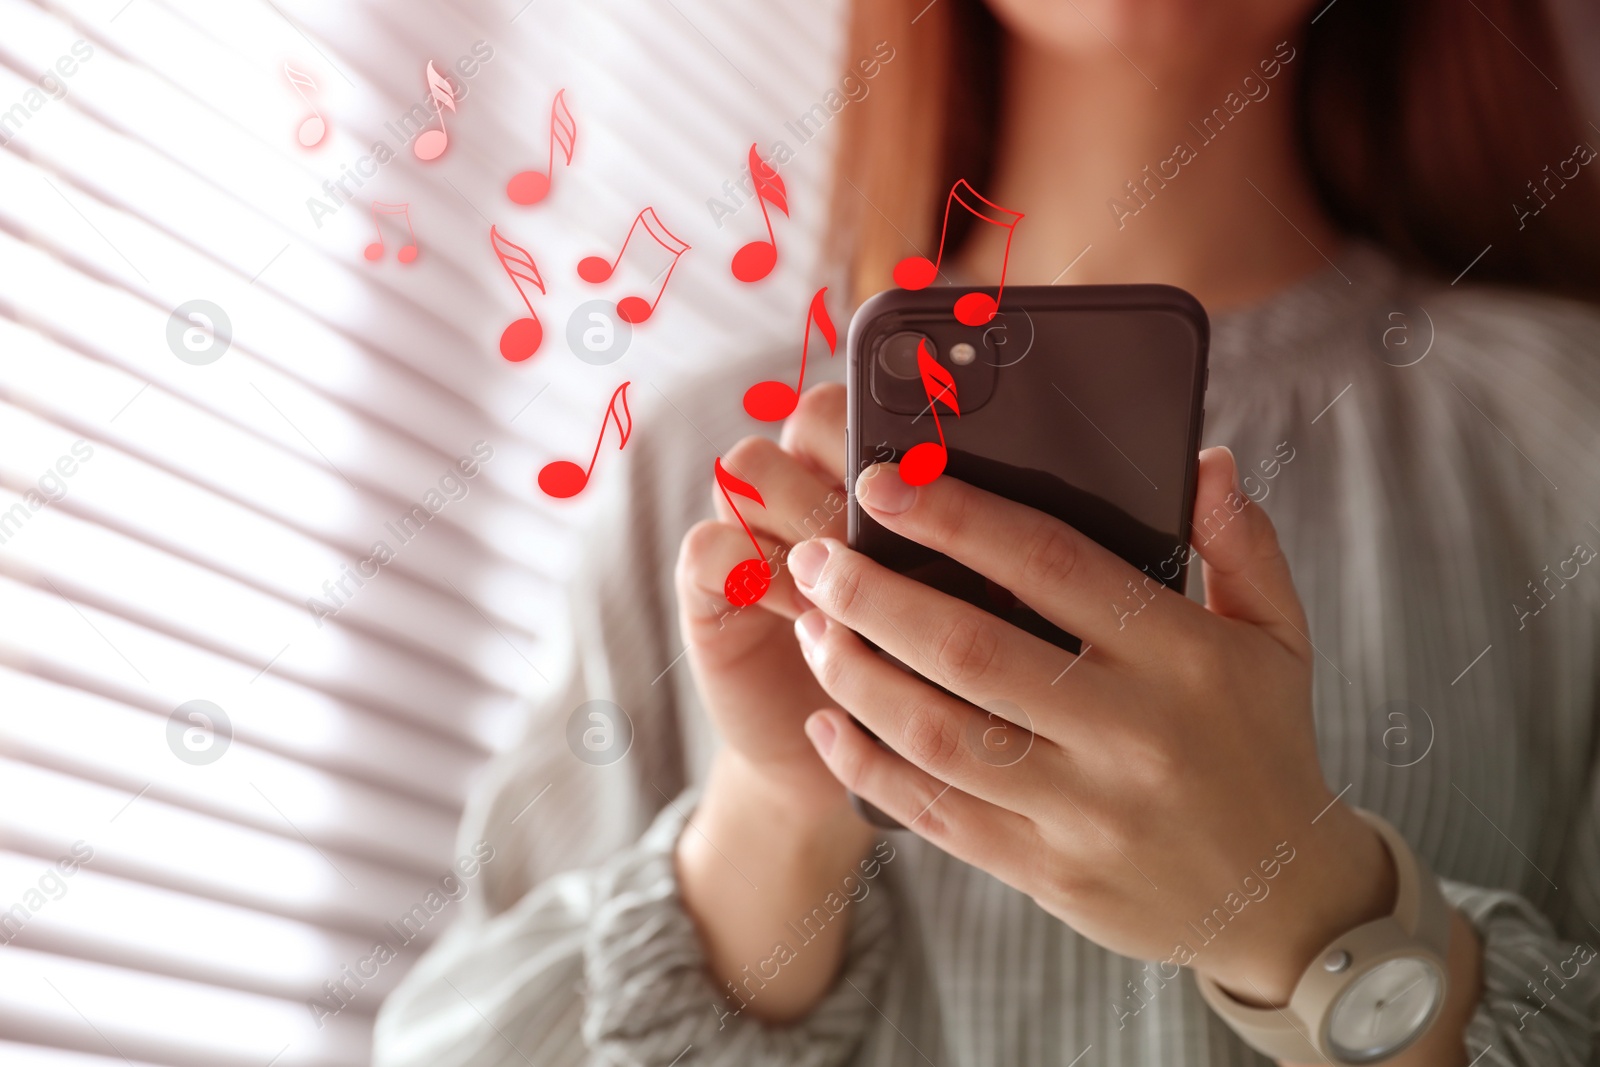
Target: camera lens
point(897, 355)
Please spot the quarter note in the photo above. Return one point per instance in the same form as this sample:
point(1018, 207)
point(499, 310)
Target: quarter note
point(771, 401)
point(915, 272)
point(750, 579)
point(925, 461)
point(314, 128)
point(530, 186)
point(430, 144)
point(407, 253)
point(563, 478)
point(522, 338)
point(755, 260)
point(596, 269)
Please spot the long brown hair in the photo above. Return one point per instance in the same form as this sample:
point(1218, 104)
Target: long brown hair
point(1422, 122)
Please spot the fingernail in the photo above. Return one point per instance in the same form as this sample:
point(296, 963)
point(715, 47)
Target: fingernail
point(806, 561)
point(1235, 461)
point(822, 732)
point(882, 493)
point(809, 628)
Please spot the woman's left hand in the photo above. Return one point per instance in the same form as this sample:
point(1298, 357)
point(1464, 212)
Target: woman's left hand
point(1159, 792)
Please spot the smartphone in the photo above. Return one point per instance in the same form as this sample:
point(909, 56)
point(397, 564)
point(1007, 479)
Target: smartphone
point(1083, 402)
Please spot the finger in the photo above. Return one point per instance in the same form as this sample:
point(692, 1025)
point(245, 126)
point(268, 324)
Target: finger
point(711, 558)
point(969, 829)
point(936, 732)
point(948, 641)
point(1062, 574)
point(798, 504)
point(1247, 576)
point(816, 431)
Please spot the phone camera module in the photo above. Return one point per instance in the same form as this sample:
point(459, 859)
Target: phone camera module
point(897, 355)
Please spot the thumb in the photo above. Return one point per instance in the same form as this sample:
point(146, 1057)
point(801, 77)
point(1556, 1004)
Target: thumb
point(1246, 574)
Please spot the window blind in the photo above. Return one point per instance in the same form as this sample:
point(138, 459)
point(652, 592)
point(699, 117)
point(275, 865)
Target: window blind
point(234, 744)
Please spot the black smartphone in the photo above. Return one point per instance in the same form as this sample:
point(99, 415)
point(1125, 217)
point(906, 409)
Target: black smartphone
point(1084, 402)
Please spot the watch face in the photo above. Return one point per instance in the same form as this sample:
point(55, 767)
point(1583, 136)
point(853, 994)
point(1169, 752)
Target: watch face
point(1384, 1010)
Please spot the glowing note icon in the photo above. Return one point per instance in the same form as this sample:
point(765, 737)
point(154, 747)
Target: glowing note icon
point(750, 579)
point(916, 272)
point(771, 401)
point(597, 269)
point(314, 127)
point(564, 478)
point(430, 144)
point(755, 260)
point(375, 250)
point(925, 461)
point(531, 186)
point(522, 338)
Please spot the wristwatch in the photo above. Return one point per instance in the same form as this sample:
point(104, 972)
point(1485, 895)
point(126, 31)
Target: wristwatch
point(1371, 992)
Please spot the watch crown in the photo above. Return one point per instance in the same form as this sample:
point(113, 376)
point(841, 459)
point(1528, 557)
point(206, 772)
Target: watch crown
point(1336, 961)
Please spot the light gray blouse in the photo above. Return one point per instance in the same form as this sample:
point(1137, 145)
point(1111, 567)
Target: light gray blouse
point(1430, 455)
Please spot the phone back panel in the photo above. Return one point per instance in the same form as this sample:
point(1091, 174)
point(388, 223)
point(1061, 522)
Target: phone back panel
point(1084, 402)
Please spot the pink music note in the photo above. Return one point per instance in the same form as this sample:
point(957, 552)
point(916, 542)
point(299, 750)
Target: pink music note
point(522, 338)
point(596, 269)
point(925, 461)
point(771, 401)
point(750, 579)
point(375, 250)
point(755, 260)
point(915, 272)
point(530, 186)
point(314, 127)
point(430, 144)
point(563, 478)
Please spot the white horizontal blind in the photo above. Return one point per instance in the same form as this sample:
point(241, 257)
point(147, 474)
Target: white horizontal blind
point(163, 523)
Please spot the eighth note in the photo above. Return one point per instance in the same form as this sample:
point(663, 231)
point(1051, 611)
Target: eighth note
point(771, 401)
point(430, 144)
point(755, 260)
point(407, 253)
point(563, 478)
point(530, 186)
point(596, 269)
point(925, 461)
point(314, 128)
point(750, 579)
point(916, 272)
point(522, 338)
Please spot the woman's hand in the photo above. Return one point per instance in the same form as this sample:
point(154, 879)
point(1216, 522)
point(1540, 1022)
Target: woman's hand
point(773, 833)
point(1160, 792)
point(751, 675)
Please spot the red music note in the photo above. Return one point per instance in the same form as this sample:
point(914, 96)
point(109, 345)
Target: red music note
point(924, 462)
point(915, 272)
point(375, 250)
point(430, 144)
point(563, 478)
point(755, 260)
point(750, 579)
point(314, 127)
point(522, 338)
point(530, 186)
point(771, 401)
point(596, 269)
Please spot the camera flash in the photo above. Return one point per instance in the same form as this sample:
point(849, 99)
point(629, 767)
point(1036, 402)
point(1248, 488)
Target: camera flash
point(962, 354)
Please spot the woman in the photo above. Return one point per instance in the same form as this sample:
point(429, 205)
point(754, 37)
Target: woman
point(1411, 633)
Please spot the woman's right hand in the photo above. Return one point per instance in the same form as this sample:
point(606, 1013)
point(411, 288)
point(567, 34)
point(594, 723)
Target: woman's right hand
point(754, 682)
point(771, 814)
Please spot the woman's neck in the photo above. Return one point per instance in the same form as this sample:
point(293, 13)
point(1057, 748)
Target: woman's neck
point(1220, 204)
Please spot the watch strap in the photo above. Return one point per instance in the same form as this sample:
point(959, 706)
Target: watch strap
point(1419, 926)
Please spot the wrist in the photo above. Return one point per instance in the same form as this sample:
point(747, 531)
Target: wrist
point(1345, 879)
point(752, 861)
point(782, 827)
